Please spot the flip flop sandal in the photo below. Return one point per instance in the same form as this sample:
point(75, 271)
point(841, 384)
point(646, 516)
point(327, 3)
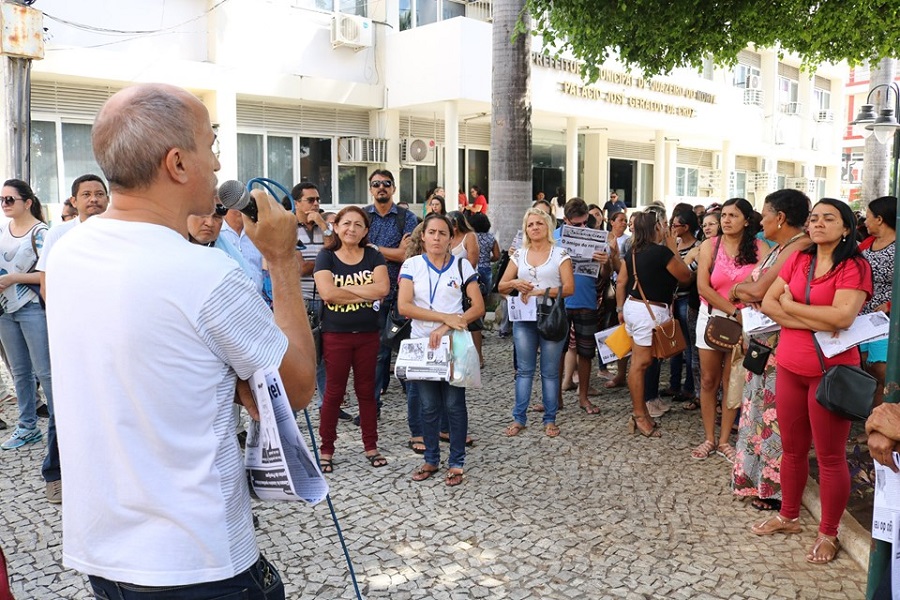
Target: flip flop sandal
point(326, 465)
point(590, 408)
point(551, 430)
point(776, 524)
point(453, 479)
point(377, 460)
point(815, 558)
point(514, 429)
point(421, 474)
point(416, 446)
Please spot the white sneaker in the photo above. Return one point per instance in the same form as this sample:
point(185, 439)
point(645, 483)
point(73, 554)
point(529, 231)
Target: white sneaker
point(656, 408)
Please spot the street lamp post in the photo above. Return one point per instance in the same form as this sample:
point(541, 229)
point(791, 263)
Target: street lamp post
point(883, 126)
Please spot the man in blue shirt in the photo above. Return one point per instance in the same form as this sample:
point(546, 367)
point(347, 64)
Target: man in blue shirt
point(581, 307)
point(389, 229)
point(614, 205)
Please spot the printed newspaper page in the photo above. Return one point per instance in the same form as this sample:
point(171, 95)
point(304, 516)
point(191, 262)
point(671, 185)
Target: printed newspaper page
point(887, 501)
point(755, 322)
point(866, 328)
point(607, 355)
point(581, 243)
point(522, 310)
point(279, 464)
point(417, 362)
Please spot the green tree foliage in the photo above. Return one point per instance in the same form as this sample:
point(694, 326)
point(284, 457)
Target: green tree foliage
point(658, 35)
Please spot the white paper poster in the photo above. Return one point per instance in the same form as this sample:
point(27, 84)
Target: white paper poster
point(865, 328)
point(522, 310)
point(887, 501)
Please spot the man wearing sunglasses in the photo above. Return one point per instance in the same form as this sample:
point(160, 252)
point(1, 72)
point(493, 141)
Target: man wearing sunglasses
point(156, 493)
point(389, 229)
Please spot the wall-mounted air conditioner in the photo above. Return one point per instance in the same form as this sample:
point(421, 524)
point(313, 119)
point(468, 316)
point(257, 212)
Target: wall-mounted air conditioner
point(418, 151)
point(357, 150)
point(351, 31)
point(753, 82)
point(825, 116)
point(791, 108)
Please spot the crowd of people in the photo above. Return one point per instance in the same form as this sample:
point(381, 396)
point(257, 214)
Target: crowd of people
point(253, 299)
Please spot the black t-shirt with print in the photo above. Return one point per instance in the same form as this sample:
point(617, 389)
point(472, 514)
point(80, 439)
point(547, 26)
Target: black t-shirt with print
point(349, 318)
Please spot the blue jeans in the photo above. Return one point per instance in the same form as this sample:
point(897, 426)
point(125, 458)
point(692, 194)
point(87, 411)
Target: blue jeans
point(414, 411)
point(484, 280)
point(436, 395)
point(259, 582)
point(316, 304)
point(526, 341)
point(383, 362)
point(685, 358)
point(24, 337)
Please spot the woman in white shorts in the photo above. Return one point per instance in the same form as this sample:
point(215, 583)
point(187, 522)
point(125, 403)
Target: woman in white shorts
point(659, 271)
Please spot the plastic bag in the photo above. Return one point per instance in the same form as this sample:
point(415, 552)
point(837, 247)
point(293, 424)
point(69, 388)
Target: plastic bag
point(465, 371)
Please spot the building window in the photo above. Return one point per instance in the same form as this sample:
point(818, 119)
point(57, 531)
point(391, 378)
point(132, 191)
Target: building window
point(313, 158)
point(687, 181)
point(250, 156)
point(787, 93)
point(740, 184)
point(44, 167)
point(353, 185)
point(352, 7)
point(822, 99)
point(60, 152)
point(742, 74)
point(316, 166)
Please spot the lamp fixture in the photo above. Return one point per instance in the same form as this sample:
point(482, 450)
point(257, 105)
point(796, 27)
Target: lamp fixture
point(884, 125)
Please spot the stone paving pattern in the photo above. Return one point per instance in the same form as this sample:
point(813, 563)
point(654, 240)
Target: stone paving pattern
point(594, 513)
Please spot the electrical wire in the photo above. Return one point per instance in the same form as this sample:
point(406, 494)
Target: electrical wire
point(138, 32)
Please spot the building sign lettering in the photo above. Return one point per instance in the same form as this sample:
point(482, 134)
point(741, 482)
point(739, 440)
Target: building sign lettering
point(590, 93)
point(567, 65)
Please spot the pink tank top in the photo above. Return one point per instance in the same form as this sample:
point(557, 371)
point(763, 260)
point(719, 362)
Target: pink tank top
point(727, 272)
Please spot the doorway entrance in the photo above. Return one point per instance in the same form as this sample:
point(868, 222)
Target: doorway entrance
point(623, 179)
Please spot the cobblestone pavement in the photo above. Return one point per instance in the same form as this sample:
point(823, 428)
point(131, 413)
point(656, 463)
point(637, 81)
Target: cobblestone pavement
point(594, 513)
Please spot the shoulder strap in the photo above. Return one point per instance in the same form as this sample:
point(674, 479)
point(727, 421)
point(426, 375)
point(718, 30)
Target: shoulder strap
point(713, 266)
point(809, 278)
point(400, 220)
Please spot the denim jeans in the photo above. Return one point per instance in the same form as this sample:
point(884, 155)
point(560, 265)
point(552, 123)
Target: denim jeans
point(685, 358)
point(526, 341)
point(316, 304)
point(259, 582)
point(24, 337)
point(484, 280)
point(414, 411)
point(436, 395)
point(383, 363)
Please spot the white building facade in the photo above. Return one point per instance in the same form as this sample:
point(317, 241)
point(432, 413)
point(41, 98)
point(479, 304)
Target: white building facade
point(328, 90)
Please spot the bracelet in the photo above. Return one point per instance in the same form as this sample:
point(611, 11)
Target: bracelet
point(731, 294)
point(618, 309)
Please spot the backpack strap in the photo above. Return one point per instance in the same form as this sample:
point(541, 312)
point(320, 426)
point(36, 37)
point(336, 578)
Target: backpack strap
point(400, 220)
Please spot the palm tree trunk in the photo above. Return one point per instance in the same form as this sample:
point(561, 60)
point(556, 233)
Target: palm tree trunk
point(876, 160)
point(510, 159)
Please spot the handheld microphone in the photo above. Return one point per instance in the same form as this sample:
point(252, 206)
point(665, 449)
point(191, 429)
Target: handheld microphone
point(235, 195)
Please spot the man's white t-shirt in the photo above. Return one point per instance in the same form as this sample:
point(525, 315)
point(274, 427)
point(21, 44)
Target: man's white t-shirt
point(435, 288)
point(155, 492)
point(51, 238)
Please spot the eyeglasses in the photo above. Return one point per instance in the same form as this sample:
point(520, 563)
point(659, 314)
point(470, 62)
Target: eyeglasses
point(8, 200)
point(379, 184)
point(311, 199)
point(579, 224)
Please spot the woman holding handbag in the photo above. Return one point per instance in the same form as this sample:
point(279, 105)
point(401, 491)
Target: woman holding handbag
point(23, 324)
point(648, 276)
point(539, 266)
point(822, 288)
point(350, 277)
point(430, 293)
point(724, 260)
point(757, 466)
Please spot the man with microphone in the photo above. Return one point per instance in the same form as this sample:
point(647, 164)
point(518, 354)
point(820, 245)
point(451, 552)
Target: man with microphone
point(155, 490)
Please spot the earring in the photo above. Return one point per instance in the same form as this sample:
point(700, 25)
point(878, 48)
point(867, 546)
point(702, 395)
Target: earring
point(779, 226)
point(843, 239)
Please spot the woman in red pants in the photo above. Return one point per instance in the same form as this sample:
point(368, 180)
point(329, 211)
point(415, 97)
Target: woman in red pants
point(821, 288)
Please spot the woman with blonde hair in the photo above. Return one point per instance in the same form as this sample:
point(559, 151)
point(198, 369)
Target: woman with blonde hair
point(539, 265)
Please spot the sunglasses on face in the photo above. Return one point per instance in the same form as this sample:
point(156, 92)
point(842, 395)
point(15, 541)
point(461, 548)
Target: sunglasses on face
point(8, 200)
point(580, 224)
point(380, 184)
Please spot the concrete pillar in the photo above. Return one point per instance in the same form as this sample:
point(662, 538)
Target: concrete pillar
point(768, 74)
point(222, 106)
point(596, 167)
point(659, 166)
point(451, 154)
point(808, 110)
point(571, 157)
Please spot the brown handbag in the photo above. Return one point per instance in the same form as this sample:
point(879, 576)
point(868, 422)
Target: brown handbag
point(667, 339)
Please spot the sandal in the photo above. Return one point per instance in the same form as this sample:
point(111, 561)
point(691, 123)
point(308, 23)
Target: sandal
point(416, 446)
point(613, 383)
point(703, 451)
point(551, 430)
point(818, 558)
point(633, 427)
point(537, 408)
point(454, 478)
point(326, 465)
point(376, 460)
point(514, 429)
point(727, 452)
point(421, 474)
point(776, 524)
point(590, 408)
point(445, 437)
point(766, 504)
point(691, 404)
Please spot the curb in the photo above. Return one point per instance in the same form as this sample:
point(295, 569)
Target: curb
point(855, 540)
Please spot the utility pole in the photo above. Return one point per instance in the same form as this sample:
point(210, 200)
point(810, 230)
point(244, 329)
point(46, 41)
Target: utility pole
point(21, 41)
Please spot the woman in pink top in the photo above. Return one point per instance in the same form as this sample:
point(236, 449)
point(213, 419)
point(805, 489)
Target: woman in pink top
point(724, 260)
point(822, 288)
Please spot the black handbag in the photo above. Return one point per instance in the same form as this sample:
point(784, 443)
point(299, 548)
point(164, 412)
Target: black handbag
point(845, 390)
point(552, 321)
point(396, 328)
point(501, 268)
point(757, 357)
point(477, 324)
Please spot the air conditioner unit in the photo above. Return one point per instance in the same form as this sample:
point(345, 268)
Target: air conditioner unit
point(418, 151)
point(791, 108)
point(825, 116)
point(357, 150)
point(351, 31)
point(707, 179)
point(753, 97)
point(753, 82)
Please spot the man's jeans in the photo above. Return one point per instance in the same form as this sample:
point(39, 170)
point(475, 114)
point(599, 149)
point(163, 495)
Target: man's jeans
point(685, 358)
point(435, 395)
point(259, 582)
point(316, 305)
point(383, 364)
point(526, 341)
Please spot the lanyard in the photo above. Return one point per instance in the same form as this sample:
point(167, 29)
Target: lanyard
point(434, 288)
